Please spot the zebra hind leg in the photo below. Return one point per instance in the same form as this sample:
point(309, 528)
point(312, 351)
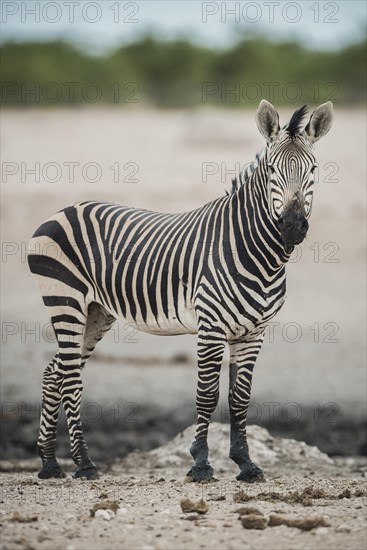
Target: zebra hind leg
point(98, 324)
point(77, 332)
point(77, 329)
point(62, 384)
point(51, 400)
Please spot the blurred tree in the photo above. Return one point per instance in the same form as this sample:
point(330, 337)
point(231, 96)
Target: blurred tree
point(177, 73)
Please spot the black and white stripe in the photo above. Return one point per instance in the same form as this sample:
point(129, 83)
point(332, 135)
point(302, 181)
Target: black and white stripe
point(218, 271)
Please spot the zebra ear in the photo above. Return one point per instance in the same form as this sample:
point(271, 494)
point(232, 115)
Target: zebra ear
point(267, 120)
point(320, 122)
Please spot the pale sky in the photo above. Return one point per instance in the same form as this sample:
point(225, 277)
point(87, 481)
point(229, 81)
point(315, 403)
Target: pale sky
point(104, 24)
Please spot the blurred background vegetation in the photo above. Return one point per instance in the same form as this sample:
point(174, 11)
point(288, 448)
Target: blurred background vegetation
point(180, 74)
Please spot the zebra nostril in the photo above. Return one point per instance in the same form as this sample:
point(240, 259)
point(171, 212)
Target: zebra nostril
point(304, 226)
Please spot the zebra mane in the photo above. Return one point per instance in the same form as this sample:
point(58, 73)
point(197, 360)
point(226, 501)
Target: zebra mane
point(245, 174)
point(294, 125)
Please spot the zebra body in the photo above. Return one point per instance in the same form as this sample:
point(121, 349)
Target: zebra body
point(156, 283)
point(218, 271)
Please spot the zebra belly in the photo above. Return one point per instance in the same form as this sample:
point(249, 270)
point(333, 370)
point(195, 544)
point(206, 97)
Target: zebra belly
point(174, 323)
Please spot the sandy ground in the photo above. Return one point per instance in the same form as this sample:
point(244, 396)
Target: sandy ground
point(145, 502)
point(314, 360)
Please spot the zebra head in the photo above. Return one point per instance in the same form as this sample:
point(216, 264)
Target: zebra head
point(290, 165)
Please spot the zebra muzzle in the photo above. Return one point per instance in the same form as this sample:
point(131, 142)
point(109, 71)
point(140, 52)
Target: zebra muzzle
point(293, 225)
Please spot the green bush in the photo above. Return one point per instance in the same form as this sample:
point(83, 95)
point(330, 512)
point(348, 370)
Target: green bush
point(180, 74)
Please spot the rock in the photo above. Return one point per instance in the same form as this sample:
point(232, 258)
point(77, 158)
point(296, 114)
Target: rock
point(321, 531)
point(304, 497)
point(265, 449)
point(254, 521)
point(107, 515)
point(188, 506)
point(305, 523)
point(23, 519)
point(110, 505)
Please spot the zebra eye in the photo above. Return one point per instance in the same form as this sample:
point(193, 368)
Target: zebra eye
point(271, 168)
point(313, 168)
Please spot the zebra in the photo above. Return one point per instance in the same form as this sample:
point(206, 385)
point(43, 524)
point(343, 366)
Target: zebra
point(217, 271)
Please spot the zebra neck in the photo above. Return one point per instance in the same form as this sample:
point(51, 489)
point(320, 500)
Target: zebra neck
point(255, 238)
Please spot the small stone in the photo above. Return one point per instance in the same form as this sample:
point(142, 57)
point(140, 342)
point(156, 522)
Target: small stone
point(305, 523)
point(191, 517)
point(107, 515)
point(321, 531)
point(110, 505)
point(188, 506)
point(254, 521)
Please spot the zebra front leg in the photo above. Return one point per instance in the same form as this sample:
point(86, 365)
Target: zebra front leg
point(210, 355)
point(51, 400)
point(242, 360)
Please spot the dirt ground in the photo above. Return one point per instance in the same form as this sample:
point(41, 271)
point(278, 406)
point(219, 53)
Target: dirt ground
point(144, 502)
point(309, 382)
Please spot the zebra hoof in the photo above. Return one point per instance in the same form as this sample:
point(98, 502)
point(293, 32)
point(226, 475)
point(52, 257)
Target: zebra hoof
point(50, 469)
point(251, 474)
point(201, 472)
point(89, 471)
